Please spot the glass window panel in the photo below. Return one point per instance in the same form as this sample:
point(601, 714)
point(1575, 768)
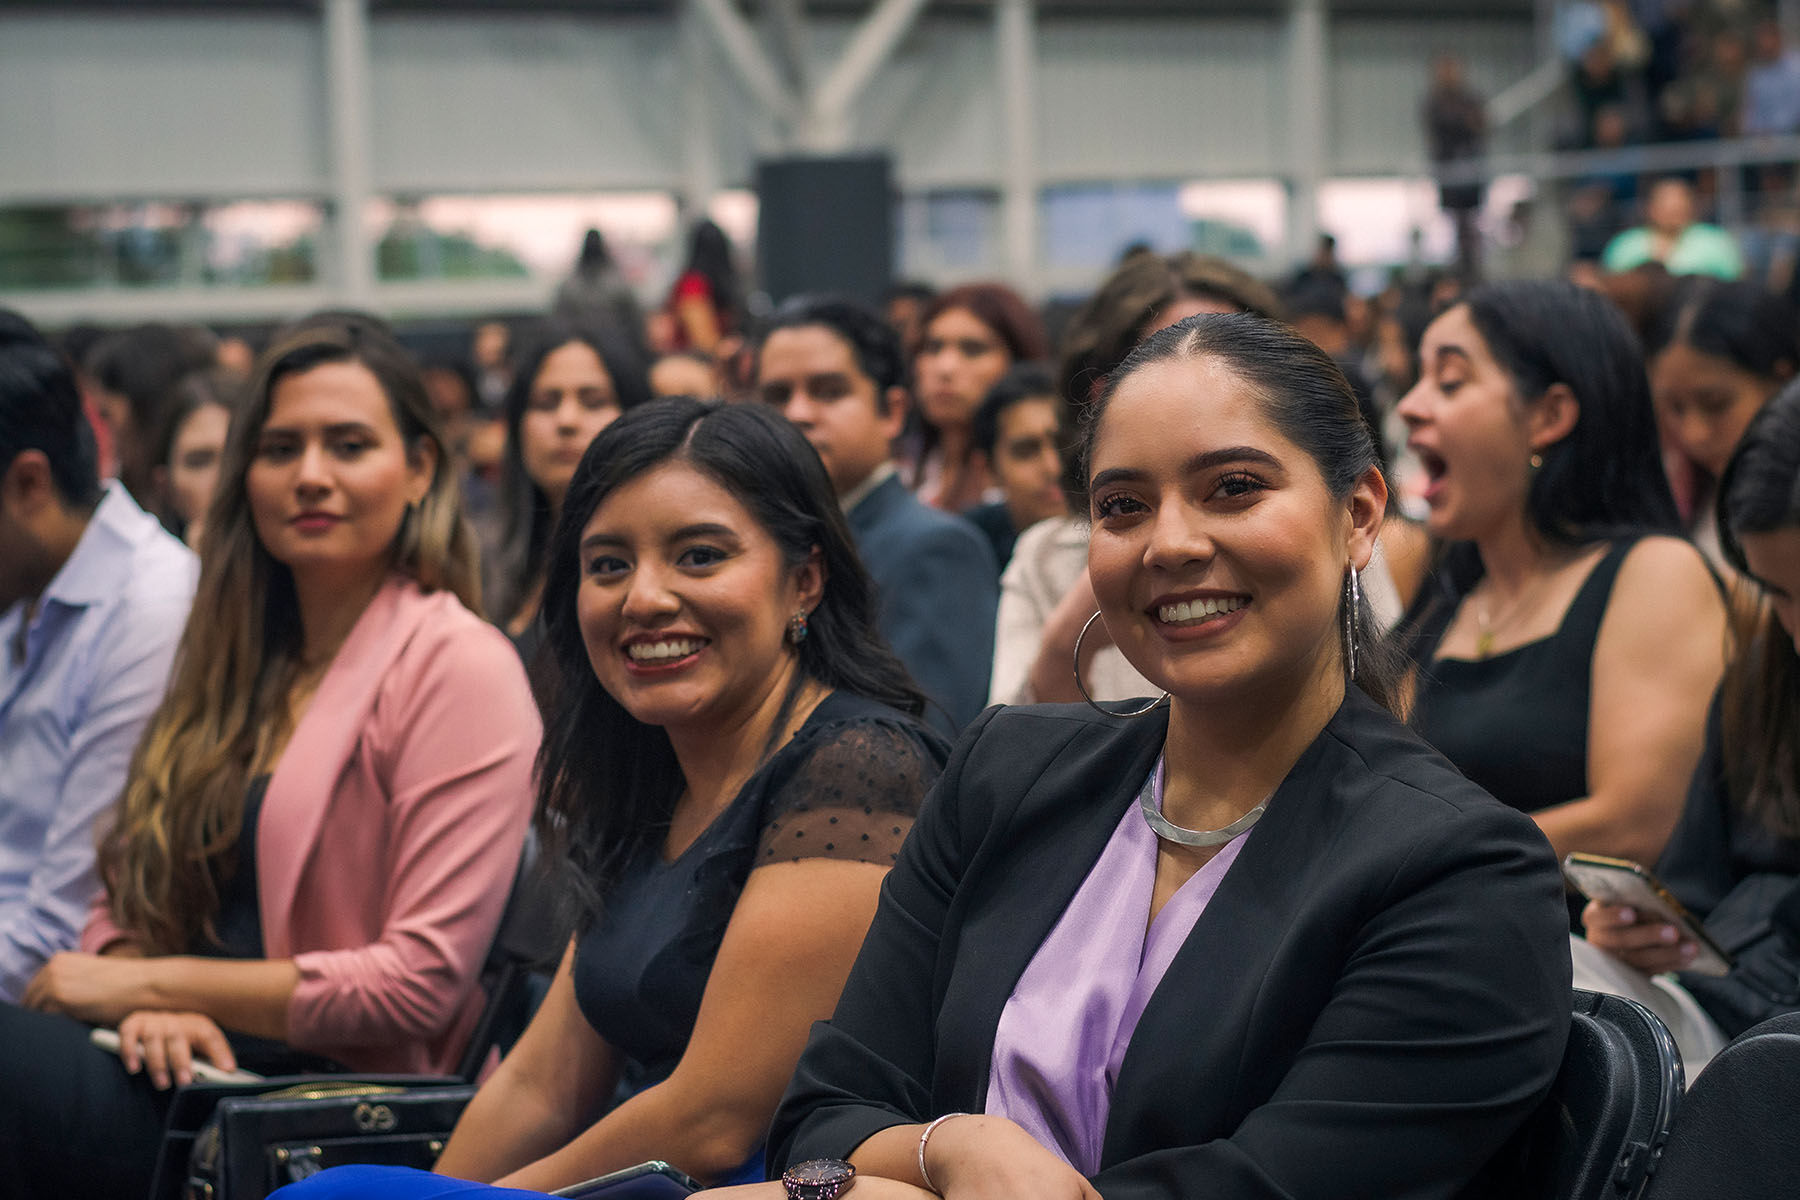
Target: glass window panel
point(159, 244)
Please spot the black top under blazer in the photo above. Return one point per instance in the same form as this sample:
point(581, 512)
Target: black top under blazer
point(1376, 996)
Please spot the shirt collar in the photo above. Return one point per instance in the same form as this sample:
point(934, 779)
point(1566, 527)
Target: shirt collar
point(91, 573)
point(860, 492)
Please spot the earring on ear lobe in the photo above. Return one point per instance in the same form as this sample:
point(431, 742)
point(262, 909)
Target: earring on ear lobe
point(1082, 688)
point(1537, 462)
point(1352, 609)
point(797, 628)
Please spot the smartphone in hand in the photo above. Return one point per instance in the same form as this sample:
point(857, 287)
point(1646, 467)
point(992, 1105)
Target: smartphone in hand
point(653, 1180)
point(205, 1072)
point(1621, 882)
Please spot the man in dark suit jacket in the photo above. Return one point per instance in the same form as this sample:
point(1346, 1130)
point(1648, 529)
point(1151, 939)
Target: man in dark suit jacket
point(837, 372)
point(1374, 999)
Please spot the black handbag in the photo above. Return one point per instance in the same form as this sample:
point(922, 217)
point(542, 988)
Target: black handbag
point(253, 1144)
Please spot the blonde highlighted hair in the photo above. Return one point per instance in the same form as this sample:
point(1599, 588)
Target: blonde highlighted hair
point(182, 809)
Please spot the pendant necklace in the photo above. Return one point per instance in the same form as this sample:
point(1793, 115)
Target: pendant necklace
point(1486, 629)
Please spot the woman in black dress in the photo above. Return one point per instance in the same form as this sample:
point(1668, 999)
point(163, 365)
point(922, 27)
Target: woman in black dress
point(1567, 644)
point(732, 762)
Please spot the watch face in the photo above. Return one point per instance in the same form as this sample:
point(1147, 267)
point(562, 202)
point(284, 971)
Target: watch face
point(819, 1179)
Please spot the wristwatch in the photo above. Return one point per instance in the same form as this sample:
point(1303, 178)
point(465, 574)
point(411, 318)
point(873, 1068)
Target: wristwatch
point(818, 1179)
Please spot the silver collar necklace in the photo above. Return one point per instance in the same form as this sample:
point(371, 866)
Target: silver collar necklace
point(1150, 804)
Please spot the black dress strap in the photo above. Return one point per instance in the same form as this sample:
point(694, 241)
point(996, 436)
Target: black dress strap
point(1581, 624)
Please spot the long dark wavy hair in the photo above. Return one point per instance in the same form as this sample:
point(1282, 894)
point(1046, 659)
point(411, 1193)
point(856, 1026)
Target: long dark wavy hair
point(1604, 480)
point(1305, 396)
point(607, 782)
point(1760, 698)
point(525, 509)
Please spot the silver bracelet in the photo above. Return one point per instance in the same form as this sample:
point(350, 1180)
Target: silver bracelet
point(926, 1137)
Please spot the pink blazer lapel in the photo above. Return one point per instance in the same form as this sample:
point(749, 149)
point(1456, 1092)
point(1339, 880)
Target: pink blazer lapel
point(306, 778)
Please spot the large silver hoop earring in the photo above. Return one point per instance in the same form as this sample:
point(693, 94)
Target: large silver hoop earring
point(1352, 610)
point(1082, 688)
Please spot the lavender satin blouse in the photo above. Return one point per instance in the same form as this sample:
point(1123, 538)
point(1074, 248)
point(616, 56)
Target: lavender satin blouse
point(1064, 1030)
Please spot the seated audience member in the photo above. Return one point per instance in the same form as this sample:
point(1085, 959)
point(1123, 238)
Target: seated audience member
point(1727, 348)
point(476, 441)
point(1258, 941)
point(733, 769)
point(1147, 293)
point(1320, 314)
point(190, 447)
point(704, 309)
point(835, 370)
point(1567, 645)
point(1735, 858)
point(92, 597)
point(689, 373)
point(904, 304)
point(566, 388)
point(132, 372)
point(1018, 432)
point(1673, 236)
point(1045, 599)
point(969, 337)
point(596, 293)
point(321, 822)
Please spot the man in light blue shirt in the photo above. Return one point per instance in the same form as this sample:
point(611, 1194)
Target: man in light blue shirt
point(93, 597)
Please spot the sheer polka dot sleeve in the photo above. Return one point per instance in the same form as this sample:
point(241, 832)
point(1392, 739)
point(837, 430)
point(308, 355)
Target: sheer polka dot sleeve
point(854, 797)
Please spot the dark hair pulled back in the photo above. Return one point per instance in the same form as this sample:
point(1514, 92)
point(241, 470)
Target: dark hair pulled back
point(1743, 324)
point(1306, 397)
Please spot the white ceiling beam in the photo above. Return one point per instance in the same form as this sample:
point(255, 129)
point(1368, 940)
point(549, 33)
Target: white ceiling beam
point(746, 55)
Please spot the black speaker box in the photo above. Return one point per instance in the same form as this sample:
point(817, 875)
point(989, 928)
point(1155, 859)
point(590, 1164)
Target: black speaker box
point(826, 225)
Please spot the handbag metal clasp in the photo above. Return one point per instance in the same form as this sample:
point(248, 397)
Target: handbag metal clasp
point(374, 1118)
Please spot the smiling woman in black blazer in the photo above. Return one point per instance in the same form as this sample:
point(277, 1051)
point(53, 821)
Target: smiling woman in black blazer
point(1258, 941)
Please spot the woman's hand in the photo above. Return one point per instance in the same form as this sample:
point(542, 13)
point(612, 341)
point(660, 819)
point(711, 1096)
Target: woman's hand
point(1650, 946)
point(164, 1045)
point(98, 989)
point(979, 1157)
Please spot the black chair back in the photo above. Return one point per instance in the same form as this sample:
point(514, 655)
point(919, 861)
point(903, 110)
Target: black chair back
point(1597, 1133)
point(527, 941)
point(1737, 1136)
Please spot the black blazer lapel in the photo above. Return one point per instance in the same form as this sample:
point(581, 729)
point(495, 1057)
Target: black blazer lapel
point(1026, 872)
point(1222, 969)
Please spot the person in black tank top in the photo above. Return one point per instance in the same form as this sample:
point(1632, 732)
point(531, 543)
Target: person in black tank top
point(1563, 652)
point(1478, 712)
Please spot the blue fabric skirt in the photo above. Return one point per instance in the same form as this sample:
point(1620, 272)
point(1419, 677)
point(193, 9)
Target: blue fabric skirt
point(401, 1183)
point(404, 1183)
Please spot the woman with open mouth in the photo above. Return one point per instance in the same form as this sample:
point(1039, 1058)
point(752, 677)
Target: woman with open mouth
point(1568, 644)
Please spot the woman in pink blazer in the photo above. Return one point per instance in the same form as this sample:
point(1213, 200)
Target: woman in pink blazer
point(324, 817)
